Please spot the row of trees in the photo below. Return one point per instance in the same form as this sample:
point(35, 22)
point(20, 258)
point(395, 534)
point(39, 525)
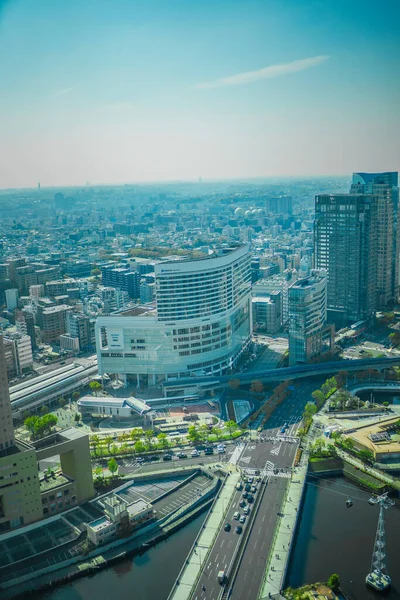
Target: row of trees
point(139, 441)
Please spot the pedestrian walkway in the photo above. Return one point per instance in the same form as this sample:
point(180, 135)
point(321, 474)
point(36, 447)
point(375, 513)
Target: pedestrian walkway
point(198, 555)
point(278, 559)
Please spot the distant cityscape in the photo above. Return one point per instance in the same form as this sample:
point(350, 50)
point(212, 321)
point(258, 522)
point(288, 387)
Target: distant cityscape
point(198, 348)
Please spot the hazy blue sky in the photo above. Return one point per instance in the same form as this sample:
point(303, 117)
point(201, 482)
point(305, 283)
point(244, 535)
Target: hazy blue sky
point(129, 90)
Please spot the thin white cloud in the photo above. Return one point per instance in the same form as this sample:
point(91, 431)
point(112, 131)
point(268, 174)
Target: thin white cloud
point(64, 91)
point(265, 73)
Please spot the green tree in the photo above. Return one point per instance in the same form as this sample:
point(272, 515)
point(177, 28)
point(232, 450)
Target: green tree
point(25, 415)
point(318, 397)
point(112, 466)
point(75, 396)
point(95, 441)
point(98, 472)
point(163, 440)
point(334, 582)
point(44, 410)
point(77, 417)
point(257, 387)
point(139, 447)
point(61, 402)
point(149, 435)
point(136, 434)
point(95, 272)
point(366, 456)
point(193, 433)
point(231, 427)
point(109, 440)
point(309, 410)
point(217, 431)
point(95, 386)
point(30, 423)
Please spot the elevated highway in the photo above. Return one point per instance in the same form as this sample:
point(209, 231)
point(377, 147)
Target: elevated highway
point(286, 373)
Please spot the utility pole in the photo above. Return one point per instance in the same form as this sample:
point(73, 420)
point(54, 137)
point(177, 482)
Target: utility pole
point(378, 577)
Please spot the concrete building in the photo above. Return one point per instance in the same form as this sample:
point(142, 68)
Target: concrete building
point(11, 299)
point(81, 326)
point(6, 423)
point(309, 335)
point(277, 283)
point(69, 343)
point(117, 408)
point(147, 292)
point(36, 291)
point(267, 313)
point(121, 278)
point(118, 513)
point(202, 322)
point(385, 187)
point(345, 243)
point(18, 351)
point(53, 321)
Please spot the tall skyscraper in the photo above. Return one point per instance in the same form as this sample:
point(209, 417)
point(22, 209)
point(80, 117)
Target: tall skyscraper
point(309, 334)
point(385, 187)
point(6, 422)
point(345, 241)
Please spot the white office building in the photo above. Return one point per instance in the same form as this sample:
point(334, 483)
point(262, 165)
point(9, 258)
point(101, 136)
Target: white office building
point(201, 322)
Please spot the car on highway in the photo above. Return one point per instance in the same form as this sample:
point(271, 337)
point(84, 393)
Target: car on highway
point(250, 480)
point(242, 519)
point(242, 504)
point(250, 499)
point(247, 487)
point(227, 527)
point(167, 457)
point(239, 529)
point(244, 495)
point(152, 458)
point(236, 516)
point(246, 510)
point(283, 430)
point(140, 459)
point(253, 489)
point(181, 455)
point(239, 486)
point(195, 453)
point(208, 451)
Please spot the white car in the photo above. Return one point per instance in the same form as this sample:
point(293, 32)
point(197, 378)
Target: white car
point(220, 449)
point(195, 453)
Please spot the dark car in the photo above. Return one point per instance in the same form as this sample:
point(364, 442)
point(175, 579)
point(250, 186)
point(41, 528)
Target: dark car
point(242, 504)
point(154, 457)
point(250, 499)
point(239, 529)
point(182, 455)
point(227, 527)
point(247, 487)
point(244, 495)
point(208, 451)
point(167, 457)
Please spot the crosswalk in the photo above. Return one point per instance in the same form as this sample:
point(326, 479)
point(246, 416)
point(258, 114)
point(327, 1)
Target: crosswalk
point(284, 474)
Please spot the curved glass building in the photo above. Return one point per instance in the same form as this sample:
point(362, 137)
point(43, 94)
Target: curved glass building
point(201, 322)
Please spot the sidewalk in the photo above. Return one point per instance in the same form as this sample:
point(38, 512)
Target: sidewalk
point(279, 554)
point(192, 569)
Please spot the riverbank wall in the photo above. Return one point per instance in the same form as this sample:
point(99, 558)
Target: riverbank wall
point(330, 467)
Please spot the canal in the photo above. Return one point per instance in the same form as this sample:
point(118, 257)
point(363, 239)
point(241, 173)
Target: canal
point(147, 577)
point(334, 539)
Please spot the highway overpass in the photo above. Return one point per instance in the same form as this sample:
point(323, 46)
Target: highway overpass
point(286, 373)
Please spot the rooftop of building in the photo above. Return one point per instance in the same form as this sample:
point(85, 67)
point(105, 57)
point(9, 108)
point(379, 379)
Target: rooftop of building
point(53, 481)
point(381, 440)
point(100, 523)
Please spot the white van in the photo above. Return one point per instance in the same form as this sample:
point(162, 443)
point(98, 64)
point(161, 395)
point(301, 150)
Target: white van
point(236, 515)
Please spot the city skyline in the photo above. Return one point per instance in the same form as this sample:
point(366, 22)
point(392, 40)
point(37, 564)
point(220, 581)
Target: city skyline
point(132, 93)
